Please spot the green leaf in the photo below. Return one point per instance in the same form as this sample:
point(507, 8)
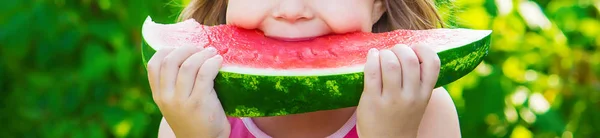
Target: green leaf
point(94, 130)
point(123, 63)
point(140, 123)
point(95, 62)
point(104, 30)
point(550, 122)
point(113, 115)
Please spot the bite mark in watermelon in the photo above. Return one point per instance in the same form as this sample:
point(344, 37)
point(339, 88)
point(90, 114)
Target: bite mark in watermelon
point(261, 76)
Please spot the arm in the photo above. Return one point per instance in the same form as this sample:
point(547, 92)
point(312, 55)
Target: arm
point(440, 118)
point(164, 130)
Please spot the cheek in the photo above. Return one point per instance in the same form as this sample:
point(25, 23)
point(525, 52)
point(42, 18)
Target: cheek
point(247, 13)
point(347, 15)
point(346, 23)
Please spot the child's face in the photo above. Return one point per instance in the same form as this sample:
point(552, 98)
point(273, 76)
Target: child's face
point(301, 19)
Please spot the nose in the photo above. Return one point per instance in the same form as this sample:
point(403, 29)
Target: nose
point(292, 11)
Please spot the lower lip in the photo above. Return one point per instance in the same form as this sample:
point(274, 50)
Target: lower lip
point(293, 39)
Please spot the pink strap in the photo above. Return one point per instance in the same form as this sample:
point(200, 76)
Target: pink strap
point(238, 129)
point(245, 128)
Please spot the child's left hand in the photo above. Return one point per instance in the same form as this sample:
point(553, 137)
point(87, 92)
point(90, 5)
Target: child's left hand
point(398, 85)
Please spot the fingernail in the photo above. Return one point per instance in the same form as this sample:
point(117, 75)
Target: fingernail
point(218, 57)
point(194, 48)
point(211, 49)
point(401, 45)
point(418, 44)
point(372, 50)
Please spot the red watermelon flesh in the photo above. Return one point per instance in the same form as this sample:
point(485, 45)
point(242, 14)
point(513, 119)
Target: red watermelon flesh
point(242, 48)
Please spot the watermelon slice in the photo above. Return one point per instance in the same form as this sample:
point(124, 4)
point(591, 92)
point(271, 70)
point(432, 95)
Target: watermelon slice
point(261, 76)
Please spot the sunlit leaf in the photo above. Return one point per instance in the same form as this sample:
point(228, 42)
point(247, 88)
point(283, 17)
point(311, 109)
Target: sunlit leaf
point(519, 96)
point(521, 132)
point(527, 115)
point(514, 69)
point(504, 6)
point(511, 114)
point(589, 27)
point(122, 128)
point(185, 2)
point(104, 4)
point(533, 15)
point(475, 17)
point(538, 103)
point(513, 30)
point(465, 3)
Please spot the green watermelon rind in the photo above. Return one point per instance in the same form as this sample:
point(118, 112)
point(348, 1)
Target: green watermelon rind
point(244, 95)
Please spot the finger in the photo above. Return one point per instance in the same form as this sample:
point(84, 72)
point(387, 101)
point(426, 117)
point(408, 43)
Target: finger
point(430, 65)
point(204, 84)
point(170, 67)
point(154, 70)
point(189, 70)
point(214, 104)
point(391, 73)
point(410, 68)
point(372, 74)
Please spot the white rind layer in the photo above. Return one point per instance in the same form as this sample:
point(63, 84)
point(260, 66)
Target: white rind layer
point(293, 72)
point(462, 40)
point(154, 33)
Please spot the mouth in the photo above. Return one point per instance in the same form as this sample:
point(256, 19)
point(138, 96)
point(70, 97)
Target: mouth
point(294, 39)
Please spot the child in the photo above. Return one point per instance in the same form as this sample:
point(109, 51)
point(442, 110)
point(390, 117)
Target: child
point(399, 99)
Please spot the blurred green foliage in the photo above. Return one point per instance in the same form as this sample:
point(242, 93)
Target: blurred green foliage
point(73, 68)
point(541, 78)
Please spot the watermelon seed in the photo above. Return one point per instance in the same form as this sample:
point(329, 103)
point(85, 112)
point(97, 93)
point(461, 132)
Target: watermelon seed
point(276, 58)
point(300, 56)
point(255, 54)
point(224, 51)
point(332, 53)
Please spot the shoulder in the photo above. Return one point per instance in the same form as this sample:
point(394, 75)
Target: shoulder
point(164, 130)
point(238, 129)
point(441, 117)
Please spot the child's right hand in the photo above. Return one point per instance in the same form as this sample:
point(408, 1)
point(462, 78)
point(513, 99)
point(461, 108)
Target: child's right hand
point(181, 80)
point(398, 86)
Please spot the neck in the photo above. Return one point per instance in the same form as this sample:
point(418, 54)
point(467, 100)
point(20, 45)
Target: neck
point(314, 124)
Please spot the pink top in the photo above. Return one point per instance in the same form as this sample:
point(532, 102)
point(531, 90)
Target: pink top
point(245, 128)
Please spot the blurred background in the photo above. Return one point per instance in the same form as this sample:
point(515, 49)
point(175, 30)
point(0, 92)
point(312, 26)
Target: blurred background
point(72, 68)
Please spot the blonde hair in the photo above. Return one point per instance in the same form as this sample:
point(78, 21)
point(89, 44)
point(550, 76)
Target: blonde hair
point(400, 14)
